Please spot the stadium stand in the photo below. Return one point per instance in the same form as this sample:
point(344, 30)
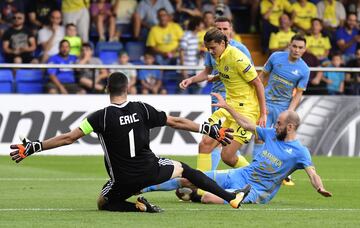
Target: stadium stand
point(135, 50)
point(29, 81)
point(108, 51)
point(6, 81)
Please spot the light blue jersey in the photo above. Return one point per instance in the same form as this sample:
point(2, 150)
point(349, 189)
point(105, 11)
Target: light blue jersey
point(218, 86)
point(275, 162)
point(284, 77)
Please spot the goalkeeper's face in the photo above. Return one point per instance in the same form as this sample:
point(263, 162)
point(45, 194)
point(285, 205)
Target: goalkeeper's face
point(215, 49)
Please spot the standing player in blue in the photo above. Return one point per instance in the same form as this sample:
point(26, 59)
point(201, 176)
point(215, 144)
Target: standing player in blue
point(283, 73)
point(281, 155)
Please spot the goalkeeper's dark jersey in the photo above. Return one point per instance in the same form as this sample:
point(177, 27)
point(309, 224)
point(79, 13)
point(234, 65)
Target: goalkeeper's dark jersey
point(123, 131)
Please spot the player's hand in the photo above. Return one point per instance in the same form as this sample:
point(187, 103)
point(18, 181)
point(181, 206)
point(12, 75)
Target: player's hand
point(262, 120)
point(185, 83)
point(221, 102)
point(25, 149)
point(217, 132)
point(324, 193)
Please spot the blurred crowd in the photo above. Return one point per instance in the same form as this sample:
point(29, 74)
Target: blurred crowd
point(170, 32)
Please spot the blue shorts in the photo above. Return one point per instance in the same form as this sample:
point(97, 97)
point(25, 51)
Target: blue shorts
point(222, 178)
point(273, 114)
point(214, 100)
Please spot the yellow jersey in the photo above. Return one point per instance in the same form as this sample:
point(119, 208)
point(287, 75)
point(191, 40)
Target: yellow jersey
point(166, 39)
point(304, 14)
point(236, 72)
point(318, 46)
point(278, 8)
point(280, 39)
point(69, 6)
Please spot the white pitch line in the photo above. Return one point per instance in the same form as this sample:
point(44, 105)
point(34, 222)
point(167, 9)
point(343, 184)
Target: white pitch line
point(194, 209)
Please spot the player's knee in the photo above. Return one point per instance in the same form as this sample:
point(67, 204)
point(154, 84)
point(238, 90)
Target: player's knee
point(206, 145)
point(206, 199)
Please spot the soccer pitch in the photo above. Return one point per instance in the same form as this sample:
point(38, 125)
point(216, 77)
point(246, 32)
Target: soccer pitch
point(59, 191)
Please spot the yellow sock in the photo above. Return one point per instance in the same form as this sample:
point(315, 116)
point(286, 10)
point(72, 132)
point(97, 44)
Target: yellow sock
point(204, 162)
point(200, 192)
point(241, 162)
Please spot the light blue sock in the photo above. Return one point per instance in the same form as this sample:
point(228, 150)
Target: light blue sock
point(215, 158)
point(257, 149)
point(165, 186)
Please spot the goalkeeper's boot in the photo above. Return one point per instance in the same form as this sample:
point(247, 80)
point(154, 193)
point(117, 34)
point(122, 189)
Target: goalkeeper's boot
point(240, 196)
point(288, 181)
point(144, 206)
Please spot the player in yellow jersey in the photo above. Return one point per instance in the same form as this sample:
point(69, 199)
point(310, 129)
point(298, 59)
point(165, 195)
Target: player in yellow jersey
point(244, 92)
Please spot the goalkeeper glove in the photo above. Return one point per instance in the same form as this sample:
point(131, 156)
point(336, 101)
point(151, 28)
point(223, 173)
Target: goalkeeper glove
point(217, 132)
point(26, 149)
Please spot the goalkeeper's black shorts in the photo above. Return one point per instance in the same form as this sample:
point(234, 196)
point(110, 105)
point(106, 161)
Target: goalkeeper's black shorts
point(129, 186)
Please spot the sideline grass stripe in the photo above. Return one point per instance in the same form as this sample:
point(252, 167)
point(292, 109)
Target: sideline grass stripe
point(104, 179)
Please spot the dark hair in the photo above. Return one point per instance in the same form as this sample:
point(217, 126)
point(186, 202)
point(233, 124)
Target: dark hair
point(161, 9)
point(215, 35)
point(117, 84)
point(316, 19)
point(194, 22)
point(336, 53)
point(63, 41)
point(207, 12)
point(298, 37)
point(223, 19)
point(70, 25)
point(88, 45)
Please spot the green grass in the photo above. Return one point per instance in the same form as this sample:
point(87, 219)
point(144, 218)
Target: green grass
point(57, 191)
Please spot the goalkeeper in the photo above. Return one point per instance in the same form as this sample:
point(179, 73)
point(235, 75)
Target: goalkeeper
point(282, 155)
point(123, 129)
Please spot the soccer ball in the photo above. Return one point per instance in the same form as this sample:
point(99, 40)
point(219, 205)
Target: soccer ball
point(184, 193)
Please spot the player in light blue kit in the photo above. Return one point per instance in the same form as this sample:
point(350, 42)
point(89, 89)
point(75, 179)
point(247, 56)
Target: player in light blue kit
point(283, 73)
point(282, 154)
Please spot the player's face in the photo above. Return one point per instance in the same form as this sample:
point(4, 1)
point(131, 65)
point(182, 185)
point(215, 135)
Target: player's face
point(281, 127)
point(215, 49)
point(297, 49)
point(225, 28)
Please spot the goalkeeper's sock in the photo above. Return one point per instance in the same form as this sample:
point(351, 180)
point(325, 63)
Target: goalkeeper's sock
point(204, 162)
point(257, 149)
point(202, 181)
point(215, 158)
point(241, 162)
point(169, 185)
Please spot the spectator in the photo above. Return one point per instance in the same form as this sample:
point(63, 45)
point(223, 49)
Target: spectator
point(347, 37)
point(280, 41)
point(124, 11)
point(335, 80)
point(49, 37)
point(145, 15)
point(164, 39)
point(18, 42)
point(353, 6)
point(77, 12)
point(151, 81)
point(73, 38)
point(63, 80)
point(316, 86)
point(218, 8)
point(131, 74)
point(245, 9)
point(86, 75)
point(189, 46)
point(209, 21)
point(352, 80)
point(302, 14)
point(317, 44)
point(103, 16)
point(39, 12)
point(8, 8)
point(332, 13)
point(184, 10)
point(271, 10)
